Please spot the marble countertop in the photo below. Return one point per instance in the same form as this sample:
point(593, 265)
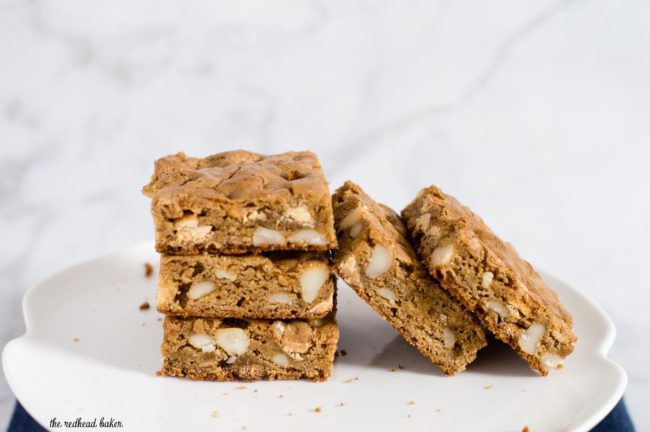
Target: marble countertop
point(533, 113)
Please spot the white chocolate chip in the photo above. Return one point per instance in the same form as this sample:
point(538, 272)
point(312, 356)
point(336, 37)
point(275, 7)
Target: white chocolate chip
point(234, 341)
point(349, 271)
point(202, 342)
point(266, 236)
point(308, 236)
point(222, 274)
point(551, 360)
point(299, 215)
point(277, 329)
point(254, 216)
point(231, 359)
point(497, 307)
point(474, 246)
point(529, 339)
point(449, 338)
point(356, 229)
point(316, 322)
point(380, 261)
point(188, 229)
point(311, 281)
point(322, 307)
point(280, 359)
point(487, 279)
point(297, 337)
point(200, 289)
point(280, 298)
point(352, 218)
point(388, 295)
point(442, 255)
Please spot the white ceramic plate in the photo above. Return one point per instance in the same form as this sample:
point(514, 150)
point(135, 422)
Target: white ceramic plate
point(90, 352)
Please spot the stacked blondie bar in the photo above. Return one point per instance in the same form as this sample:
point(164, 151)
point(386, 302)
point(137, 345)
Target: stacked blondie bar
point(245, 274)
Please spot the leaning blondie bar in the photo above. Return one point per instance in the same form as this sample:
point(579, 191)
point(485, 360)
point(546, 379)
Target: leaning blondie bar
point(377, 260)
point(269, 286)
point(238, 202)
point(247, 350)
point(490, 278)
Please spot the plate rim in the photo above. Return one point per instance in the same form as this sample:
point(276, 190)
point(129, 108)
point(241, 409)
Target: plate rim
point(602, 349)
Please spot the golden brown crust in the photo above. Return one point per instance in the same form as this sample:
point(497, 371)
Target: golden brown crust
point(490, 278)
point(400, 289)
point(216, 204)
point(275, 349)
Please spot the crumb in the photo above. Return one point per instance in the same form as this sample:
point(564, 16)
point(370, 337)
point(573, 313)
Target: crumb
point(145, 306)
point(290, 414)
point(317, 409)
point(342, 404)
point(560, 366)
point(215, 414)
point(400, 365)
point(254, 390)
point(488, 387)
point(392, 369)
point(525, 429)
point(75, 340)
point(144, 324)
point(159, 319)
point(243, 428)
point(410, 402)
point(280, 396)
point(409, 416)
point(225, 394)
point(241, 388)
point(148, 270)
point(344, 352)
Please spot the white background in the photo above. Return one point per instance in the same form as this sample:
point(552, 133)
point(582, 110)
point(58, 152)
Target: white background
point(536, 114)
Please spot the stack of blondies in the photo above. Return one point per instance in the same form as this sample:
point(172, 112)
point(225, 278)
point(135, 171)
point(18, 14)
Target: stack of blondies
point(245, 273)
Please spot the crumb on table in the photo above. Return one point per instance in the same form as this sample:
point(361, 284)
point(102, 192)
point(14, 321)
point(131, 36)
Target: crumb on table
point(75, 339)
point(488, 387)
point(400, 365)
point(525, 429)
point(148, 270)
point(145, 306)
point(411, 402)
point(344, 352)
point(317, 409)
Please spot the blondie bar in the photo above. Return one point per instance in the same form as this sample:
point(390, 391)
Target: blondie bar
point(234, 349)
point(490, 278)
point(377, 260)
point(238, 202)
point(273, 285)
